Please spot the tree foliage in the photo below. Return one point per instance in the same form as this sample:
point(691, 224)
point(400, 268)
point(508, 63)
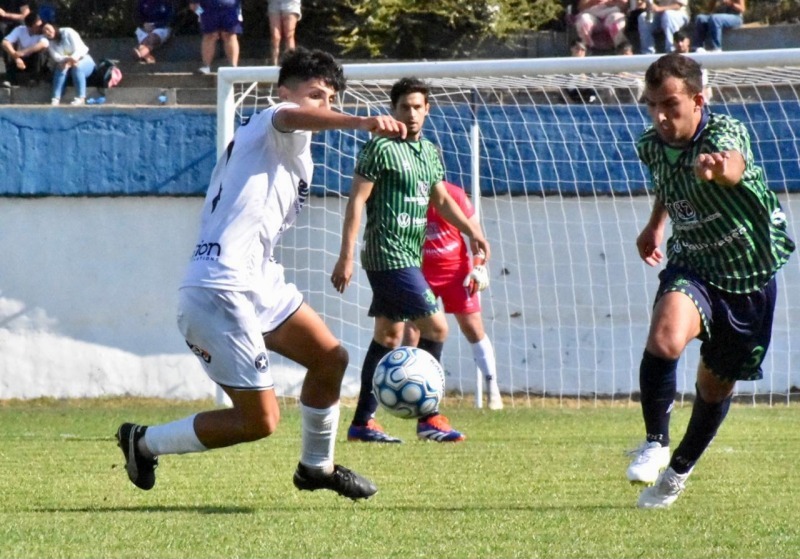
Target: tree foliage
point(442, 29)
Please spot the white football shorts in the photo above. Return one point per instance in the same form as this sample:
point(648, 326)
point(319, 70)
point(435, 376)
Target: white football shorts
point(224, 329)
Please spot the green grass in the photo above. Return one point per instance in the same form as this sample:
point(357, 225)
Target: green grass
point(530, 482)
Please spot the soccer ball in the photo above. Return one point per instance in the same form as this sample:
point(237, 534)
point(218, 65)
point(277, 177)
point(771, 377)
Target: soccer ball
point(409, 382)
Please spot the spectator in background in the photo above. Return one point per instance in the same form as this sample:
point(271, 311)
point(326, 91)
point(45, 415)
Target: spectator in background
point(724, 14)
point(577, 48)
point(12, 14)
point(24, 48)
point(220, 20)
point(667, 15)
point(71, 56)
point(283, 18)
point(683, 46)
point(606, 14)
point(155, 19)
point(624, 48)
point(681, 42)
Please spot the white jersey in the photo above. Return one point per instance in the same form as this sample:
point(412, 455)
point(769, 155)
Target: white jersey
point(257, 189)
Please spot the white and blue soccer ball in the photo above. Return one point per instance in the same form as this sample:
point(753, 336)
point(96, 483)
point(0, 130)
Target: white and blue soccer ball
point(409, 382)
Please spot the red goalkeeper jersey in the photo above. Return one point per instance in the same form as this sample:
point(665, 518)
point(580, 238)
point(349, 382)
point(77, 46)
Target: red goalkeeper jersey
point(444, 250)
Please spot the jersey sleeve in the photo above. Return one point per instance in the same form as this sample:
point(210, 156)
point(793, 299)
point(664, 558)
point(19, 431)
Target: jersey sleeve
point(292, 141)
point(369, 164)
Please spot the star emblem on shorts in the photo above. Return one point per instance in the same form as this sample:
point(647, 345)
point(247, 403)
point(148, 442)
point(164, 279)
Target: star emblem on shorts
point(261, 362)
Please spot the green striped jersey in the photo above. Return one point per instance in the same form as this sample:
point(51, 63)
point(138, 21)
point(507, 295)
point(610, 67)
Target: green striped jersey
point(734, 238)
point(402, 173)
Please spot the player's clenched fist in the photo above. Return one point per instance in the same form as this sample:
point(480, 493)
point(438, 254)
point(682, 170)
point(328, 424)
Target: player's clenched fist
point(384, 125)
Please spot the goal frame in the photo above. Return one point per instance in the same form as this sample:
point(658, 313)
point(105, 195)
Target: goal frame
point(228, 78)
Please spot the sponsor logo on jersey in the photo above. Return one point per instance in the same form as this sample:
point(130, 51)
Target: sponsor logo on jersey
point(423, 194)
point(207, 251)
point(731, 237)
point(403, 220)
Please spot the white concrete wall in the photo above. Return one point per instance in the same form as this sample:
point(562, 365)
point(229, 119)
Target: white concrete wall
point(88, 295)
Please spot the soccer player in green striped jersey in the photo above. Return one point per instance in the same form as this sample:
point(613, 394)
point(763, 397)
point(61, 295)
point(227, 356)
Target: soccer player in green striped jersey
point(395, 181)
point(728, 241)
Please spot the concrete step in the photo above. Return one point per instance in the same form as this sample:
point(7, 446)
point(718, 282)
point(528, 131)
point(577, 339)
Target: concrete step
point(137, 96)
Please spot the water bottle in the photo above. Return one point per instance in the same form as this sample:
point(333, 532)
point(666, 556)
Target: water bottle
point(650, 14)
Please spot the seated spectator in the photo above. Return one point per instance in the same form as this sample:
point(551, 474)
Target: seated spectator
point(607, 15)
point(12, 14)
point(25, 47)
point(220, 20)
point(681, 42)
point(682, 46)
point(155, 19)
point(667, 15)
point(624, 48)
point(283, 18)
point(71, 56)
point(725, 14)
point(577, 48)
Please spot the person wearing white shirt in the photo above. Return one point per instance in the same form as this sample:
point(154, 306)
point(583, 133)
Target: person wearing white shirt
point(24, 47)
point(235, 305)
point(71, 56)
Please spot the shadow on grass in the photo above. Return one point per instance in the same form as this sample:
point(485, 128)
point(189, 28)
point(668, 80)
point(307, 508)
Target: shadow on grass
point(151, 508)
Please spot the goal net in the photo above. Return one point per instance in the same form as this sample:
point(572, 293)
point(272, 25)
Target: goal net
point(546, 148)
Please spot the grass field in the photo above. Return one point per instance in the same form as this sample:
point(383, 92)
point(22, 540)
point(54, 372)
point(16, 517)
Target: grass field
point(528, 482)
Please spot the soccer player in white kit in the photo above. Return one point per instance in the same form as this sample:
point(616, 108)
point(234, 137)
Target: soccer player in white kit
point(234, 304)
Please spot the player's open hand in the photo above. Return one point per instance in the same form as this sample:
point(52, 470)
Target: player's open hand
point(385, 125)
point(342, 273)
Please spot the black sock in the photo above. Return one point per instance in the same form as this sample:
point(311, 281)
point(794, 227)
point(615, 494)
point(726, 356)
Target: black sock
point(367, 403)
point(657, 385)
point(703, 424)
point(434, 348)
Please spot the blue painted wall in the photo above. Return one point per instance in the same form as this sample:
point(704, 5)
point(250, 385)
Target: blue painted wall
point(566, 149)
point(106, 151)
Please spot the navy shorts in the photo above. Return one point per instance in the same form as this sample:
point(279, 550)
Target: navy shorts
point(223, 17)
point(737, 328)
point(401, 295)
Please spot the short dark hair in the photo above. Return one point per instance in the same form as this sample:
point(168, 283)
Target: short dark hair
point(404, 86)
point(675, 65)
point(31, 19)
point(300, 65)
point(679, 36)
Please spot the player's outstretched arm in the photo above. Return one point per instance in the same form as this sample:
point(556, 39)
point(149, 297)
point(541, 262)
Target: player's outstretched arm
point(315, 119)
point(343, 269)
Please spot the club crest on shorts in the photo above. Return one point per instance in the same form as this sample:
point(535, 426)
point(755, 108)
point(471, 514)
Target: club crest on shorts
point(261, 362)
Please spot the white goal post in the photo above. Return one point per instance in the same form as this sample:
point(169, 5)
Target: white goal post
point(546, 149)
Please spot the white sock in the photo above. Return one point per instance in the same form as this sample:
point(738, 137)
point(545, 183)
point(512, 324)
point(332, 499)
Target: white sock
point(176, 437)
point(319, 436)
point(483, 353)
